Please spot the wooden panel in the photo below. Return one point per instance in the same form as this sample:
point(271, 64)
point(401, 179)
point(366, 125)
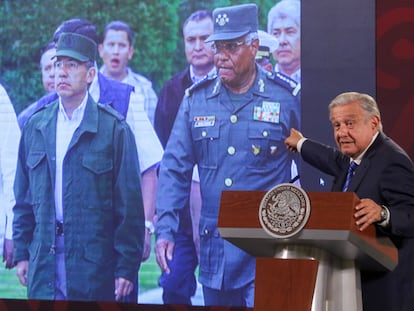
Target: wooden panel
point(285, 284)
point(242, 210)
point(330, 211)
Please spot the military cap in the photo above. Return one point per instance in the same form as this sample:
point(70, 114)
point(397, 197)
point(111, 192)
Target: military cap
point(233, 22)
point(267, 45)
point(76, 46)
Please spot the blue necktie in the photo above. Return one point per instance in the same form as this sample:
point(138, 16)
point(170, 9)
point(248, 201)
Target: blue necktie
point(351, 171)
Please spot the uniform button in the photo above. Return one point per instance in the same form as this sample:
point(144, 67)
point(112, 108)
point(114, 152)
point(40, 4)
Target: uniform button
point(204, 133)
point(265, 133)
point(228, 182)
point(205, 231)
point(231, 150)
point(52, 250)
point(233, 119)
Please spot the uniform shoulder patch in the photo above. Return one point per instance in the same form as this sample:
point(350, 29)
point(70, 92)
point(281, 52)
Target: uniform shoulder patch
point(203, 82)
point(107, 108)
point(291, 85)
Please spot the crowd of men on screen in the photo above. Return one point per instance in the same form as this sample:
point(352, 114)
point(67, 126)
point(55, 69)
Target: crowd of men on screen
point(102, 162)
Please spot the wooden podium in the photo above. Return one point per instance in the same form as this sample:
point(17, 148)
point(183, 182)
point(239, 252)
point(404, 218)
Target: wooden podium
point(317, 269)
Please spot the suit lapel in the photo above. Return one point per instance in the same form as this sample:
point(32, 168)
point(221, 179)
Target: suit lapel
point(363, 168)
point(339, 181)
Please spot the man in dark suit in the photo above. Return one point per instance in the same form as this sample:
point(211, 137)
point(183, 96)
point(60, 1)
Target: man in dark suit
point(383, 178)
point(200, 57)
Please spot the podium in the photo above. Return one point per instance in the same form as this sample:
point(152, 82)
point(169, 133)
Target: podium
point(316, 269)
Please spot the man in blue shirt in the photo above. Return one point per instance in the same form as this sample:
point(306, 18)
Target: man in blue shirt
point(233, 127)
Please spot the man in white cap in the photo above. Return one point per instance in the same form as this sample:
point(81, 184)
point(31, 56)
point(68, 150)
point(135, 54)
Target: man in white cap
point(267, 45)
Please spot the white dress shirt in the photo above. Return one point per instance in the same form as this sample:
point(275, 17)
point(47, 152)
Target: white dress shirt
point(9, 145)
point(64, 132)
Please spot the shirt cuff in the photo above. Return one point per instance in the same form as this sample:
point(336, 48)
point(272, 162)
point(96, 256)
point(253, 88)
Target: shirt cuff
point(9, 227)
point(300, 143)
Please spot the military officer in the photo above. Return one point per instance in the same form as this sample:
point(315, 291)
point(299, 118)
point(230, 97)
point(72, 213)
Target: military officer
point(233, 125)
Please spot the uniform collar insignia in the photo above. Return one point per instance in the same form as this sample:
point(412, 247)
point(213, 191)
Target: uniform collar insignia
point(216, 87)
point(261, 85)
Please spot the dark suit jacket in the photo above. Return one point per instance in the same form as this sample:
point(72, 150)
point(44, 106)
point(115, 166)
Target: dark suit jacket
point(385, 175)
point(168, 103)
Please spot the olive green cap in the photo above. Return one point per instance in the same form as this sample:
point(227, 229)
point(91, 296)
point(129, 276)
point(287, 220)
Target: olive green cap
point(76, 46)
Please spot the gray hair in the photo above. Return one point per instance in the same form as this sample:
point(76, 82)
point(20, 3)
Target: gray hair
point(284, 9)
point(365, 101)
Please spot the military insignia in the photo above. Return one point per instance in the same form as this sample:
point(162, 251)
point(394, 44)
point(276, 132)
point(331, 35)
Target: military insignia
point(187, 92)
point(204, 121)
point(203, 82)
point(285, 82)
point(261, 85)
point(216, 87)
point(286, 79)
point(268, 112)
point(255, 150)
point(222, 19)
point(284, 210)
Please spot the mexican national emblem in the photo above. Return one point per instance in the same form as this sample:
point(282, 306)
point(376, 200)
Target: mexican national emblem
point(284, 210)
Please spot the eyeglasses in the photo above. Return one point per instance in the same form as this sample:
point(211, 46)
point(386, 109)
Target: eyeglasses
point(230, 47)
point(69, 65)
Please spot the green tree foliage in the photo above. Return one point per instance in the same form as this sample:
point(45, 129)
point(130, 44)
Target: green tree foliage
point(27, 26)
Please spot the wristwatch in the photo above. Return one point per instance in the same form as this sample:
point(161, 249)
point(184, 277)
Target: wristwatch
point(384, 214)
point(149, 226)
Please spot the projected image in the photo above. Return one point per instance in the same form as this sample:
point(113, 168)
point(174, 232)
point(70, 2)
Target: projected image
point(119, 201)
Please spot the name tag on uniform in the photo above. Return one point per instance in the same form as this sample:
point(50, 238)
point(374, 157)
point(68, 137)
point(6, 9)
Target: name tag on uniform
point(268, 112)
point(204, 121)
